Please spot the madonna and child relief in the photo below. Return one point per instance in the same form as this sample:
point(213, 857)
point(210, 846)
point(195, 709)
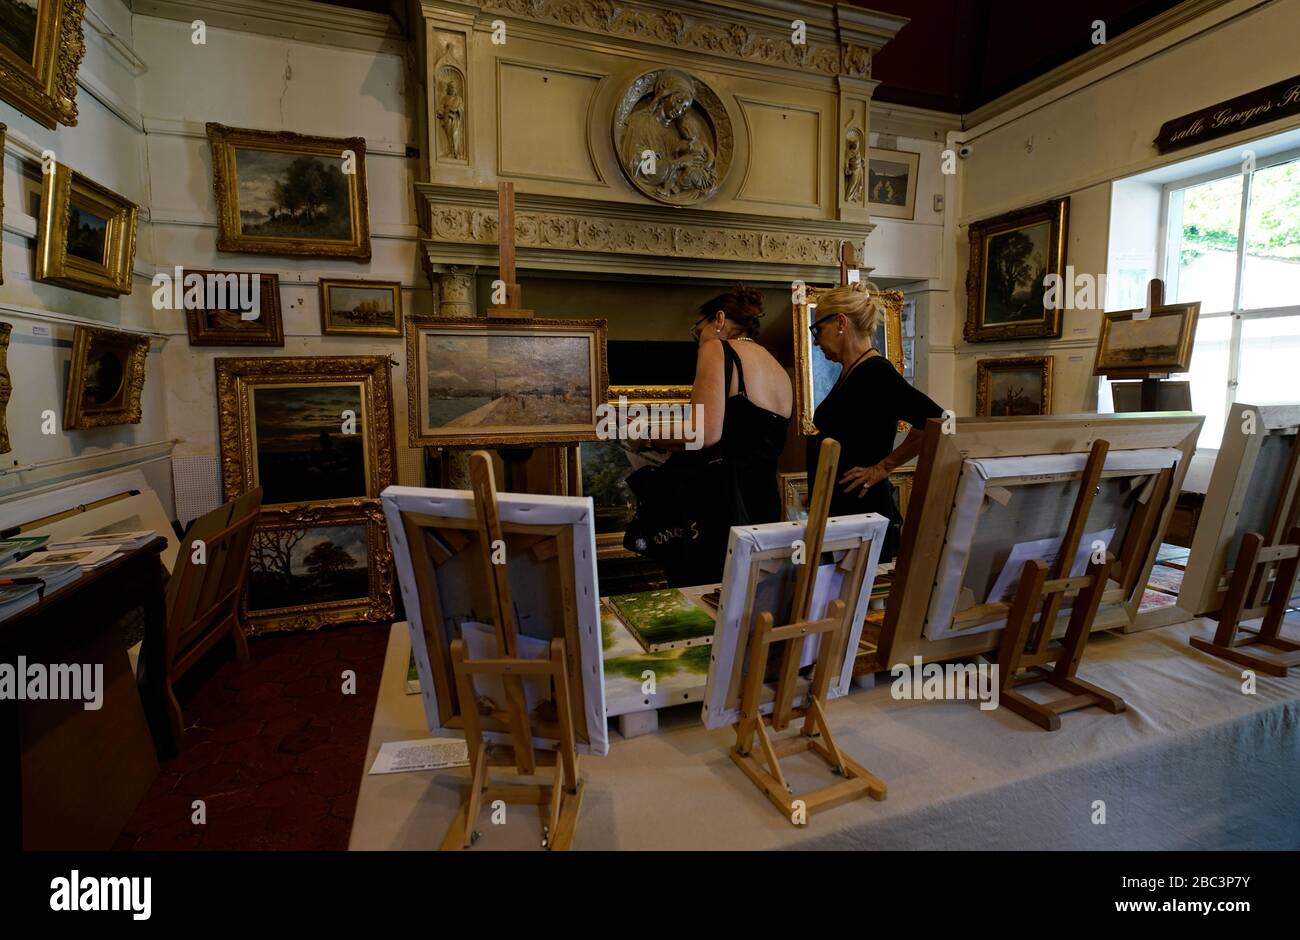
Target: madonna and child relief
point(673, 137)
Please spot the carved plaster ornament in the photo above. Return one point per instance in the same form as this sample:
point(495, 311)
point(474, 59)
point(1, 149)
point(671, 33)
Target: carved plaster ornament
point(673, 137)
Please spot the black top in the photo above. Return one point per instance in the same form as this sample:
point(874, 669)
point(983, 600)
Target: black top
point(751, 443)
point(862, 413)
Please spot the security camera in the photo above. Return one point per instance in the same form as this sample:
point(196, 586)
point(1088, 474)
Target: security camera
point(965, 151)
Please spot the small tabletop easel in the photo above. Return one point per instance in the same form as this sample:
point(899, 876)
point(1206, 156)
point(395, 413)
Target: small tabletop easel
point(766, 772)
point(1027, 645)
point(848, 262)
point(563, 794)
point(1251, 594)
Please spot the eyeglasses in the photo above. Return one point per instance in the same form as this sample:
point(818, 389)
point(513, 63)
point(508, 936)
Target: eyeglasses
point(815, 328)
point(697, 329)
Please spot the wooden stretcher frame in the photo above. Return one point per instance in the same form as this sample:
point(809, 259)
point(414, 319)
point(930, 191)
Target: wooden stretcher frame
point(925, 527)
point(549, 526)
point(748, 549)
point(1238, 475)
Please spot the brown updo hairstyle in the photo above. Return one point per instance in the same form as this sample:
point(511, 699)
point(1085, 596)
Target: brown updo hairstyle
point(859, 302)
point(743, 306)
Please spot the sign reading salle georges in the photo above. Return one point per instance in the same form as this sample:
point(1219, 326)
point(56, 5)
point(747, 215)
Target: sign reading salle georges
point(1261, 106)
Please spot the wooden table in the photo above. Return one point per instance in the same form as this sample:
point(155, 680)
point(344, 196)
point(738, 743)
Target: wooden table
point(71, 777)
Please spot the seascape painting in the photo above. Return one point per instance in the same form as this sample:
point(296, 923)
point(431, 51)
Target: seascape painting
point(361, 308)
point(291, 567)
point(523, 380)
point(292, 195)
point(1131, 343)
point(18, 26)
point(1016, 267)
point(87, 233)
point(300, 452)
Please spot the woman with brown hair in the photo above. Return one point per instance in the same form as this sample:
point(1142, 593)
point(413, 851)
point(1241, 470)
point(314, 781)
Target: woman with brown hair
point(863, 408)
point(743, 399)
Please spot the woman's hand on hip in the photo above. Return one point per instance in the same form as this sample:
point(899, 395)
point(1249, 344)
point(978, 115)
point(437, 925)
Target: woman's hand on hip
point(860, 479)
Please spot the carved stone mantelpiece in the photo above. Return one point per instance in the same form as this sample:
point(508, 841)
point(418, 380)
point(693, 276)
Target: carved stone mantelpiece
point(588, 236)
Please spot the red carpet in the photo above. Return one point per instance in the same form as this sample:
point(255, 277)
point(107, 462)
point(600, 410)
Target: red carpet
point(273, 747)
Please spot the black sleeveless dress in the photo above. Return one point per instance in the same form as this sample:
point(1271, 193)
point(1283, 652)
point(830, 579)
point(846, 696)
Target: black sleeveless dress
point(750, 446)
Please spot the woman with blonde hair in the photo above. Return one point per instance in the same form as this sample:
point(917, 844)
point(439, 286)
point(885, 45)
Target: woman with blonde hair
point(863, 408)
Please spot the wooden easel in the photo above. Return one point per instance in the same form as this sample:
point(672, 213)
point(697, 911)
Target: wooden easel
point(848, 260)
point(766, 772)
point(1253, 593)
point(1027, 645)
point(562, 794)
point(506, 246)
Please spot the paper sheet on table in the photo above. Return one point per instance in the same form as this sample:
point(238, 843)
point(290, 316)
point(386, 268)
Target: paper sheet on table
point(774, 592)
point(1044, 550)
point(481, 643)
point(397, 757)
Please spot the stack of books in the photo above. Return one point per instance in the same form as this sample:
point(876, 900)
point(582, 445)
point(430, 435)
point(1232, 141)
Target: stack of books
point(12, 549)
point(23, 584)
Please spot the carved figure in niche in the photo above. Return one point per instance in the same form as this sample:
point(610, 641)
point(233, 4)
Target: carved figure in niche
point(670, 145)
point(451, 115)
point(854, 167)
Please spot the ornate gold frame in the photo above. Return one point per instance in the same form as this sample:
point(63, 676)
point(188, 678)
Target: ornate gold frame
point(60, 189)
point(328, 283)
point(270, 318)
point(3, 128)
point(793, 485)
point(136, 348)
point(610, 544)
point(1182, 361)
point(803, 379)
point(1056, 212)
point(793, 489)
point(45, 89)
point(416, 394)
point(985, 368)
point(236, 378)
point(377, 607)
point(225, 181)
point(6, 385)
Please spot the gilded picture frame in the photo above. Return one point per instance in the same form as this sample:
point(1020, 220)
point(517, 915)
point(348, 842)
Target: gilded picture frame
point(85, 237)
point(283, 425)
point(1128, 347)
point(1011, 256)
point(793, 488)
point(378, 315)
point(613, 503)
point(297, 582)
point(3, 128)
point(468, 354)
point(997, 396)
point(814, 373)
point(301, 195)
point(105, 379)
point(39, 59)
point(6, 386)
point(205, 329)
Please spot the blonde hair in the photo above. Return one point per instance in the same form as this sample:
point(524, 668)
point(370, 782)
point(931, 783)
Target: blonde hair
point(860, 302)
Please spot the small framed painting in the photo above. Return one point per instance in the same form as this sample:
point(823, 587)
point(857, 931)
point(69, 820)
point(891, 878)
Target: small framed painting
point(360, 308)
point(310, 566)
point(1129, 347)
point(1011, 258)
point(1019, 386)
point(41, 46)
point(499, 381)
point(105, 379)
point(891, 183)
point(794, 496)
point(280, 193)
point(85, 238)
point(221, 318)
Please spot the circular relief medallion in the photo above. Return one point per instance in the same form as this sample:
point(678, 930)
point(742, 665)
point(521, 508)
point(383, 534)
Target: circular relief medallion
point(673, 137)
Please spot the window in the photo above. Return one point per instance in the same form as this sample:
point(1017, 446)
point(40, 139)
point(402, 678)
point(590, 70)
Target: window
point(1233, 243)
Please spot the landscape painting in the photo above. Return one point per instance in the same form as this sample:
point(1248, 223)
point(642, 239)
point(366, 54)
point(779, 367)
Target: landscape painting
point(1009, 387)
point(18, 23)
point(87, 233)
point(605, 468)
point(663, 620)
point(891, 183)
point(1011, 259)
point(1162, 342)
point(289, 567)
point(361, 308)
point(286, 193)
point(301, 451)
point(223, 323)
point(490, 382)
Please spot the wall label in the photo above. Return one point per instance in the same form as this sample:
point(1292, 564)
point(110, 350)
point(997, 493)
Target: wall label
point(1279, 100)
